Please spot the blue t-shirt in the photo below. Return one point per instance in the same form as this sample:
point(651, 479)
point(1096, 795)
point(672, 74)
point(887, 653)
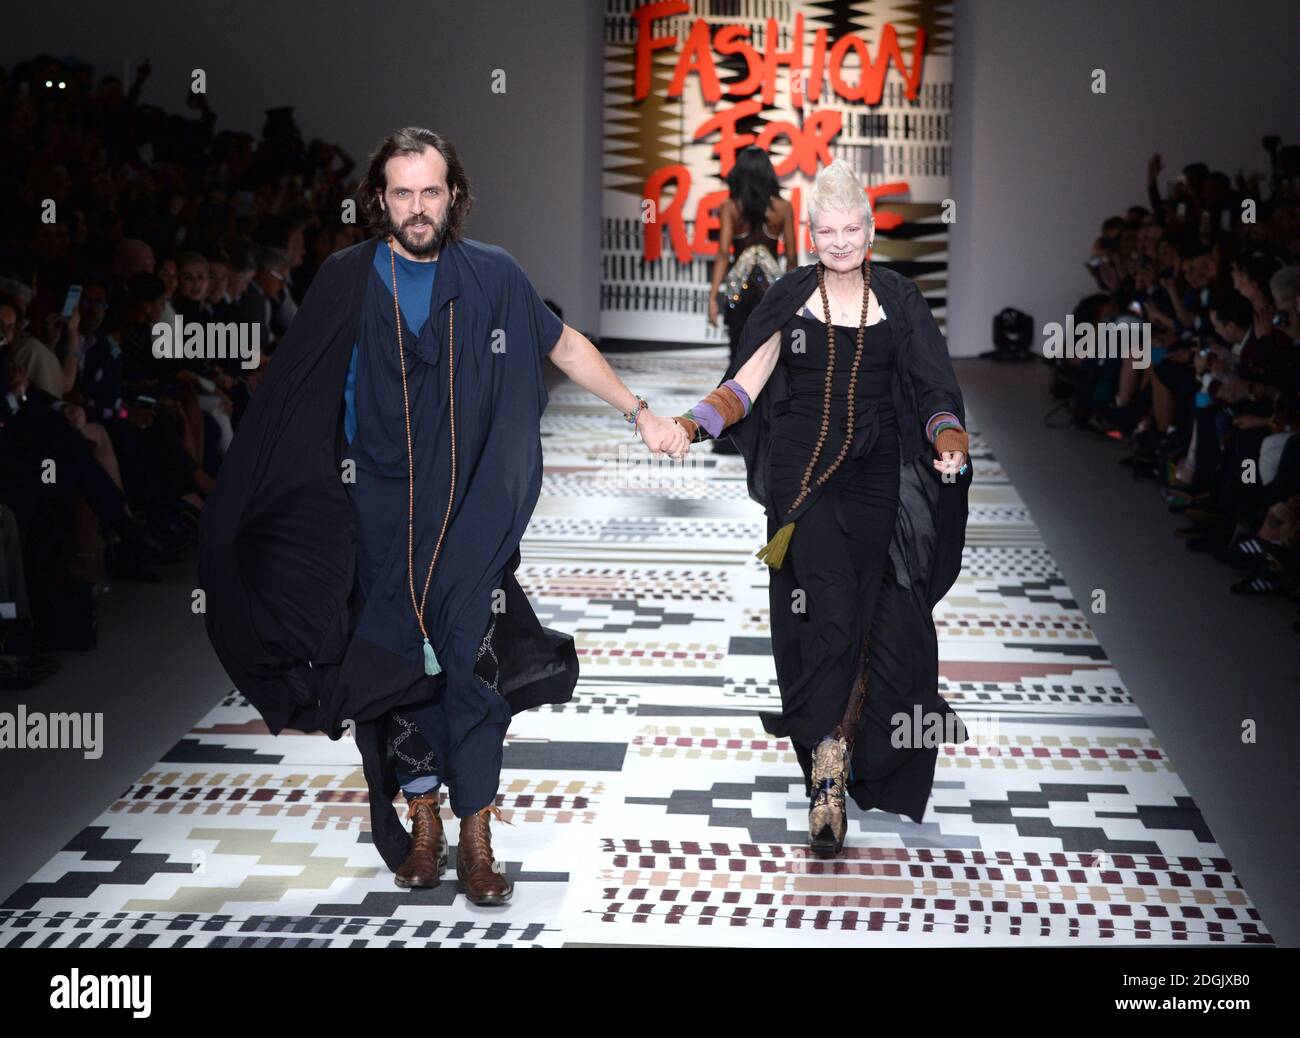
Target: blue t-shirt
point(414, 290)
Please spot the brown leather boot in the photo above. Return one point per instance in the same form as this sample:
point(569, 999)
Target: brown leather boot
point(479, 880)
point(428, 856)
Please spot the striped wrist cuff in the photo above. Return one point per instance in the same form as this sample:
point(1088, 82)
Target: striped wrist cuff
point(739, 390)
point(708, 417)
point(725, 406)
point(941, 420)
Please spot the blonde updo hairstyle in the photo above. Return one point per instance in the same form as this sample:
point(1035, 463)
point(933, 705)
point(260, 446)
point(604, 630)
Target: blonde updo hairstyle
point(838, 187)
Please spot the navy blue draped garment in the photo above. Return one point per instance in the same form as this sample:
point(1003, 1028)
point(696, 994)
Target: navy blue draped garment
point(308, 607)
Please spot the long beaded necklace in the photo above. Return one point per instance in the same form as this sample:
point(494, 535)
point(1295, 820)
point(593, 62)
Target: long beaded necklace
point(431, 665)
point(773, 552)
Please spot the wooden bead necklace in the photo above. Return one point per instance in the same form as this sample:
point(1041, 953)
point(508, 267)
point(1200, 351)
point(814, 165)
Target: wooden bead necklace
point(805, 490)
point(431, 665)
point(773, 553)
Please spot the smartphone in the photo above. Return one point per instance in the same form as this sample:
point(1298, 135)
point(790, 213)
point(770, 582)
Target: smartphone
point(71, 300)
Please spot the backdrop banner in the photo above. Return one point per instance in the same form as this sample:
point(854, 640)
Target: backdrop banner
point(688, 86)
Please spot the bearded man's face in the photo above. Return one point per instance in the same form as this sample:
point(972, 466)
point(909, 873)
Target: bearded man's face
point(417, 201)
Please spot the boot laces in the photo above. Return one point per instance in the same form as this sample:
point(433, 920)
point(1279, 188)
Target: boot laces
point(481, 835)
point(411, 805)
point(422, 833)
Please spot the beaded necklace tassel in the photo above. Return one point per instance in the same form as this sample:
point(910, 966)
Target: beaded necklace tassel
point(431, 665)
point(774, 551)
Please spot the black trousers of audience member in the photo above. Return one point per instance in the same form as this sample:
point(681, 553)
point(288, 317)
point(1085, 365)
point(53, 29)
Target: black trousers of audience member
point(1247, 503)
point(238, 393)
point(211, 444)
point(156, 468)
point(239, 397)
point(1208, 455)
point(76, 472)
point(1286, 482)
point(1181, 381)
point(1242, 501)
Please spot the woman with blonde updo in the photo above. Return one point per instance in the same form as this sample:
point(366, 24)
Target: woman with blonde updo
point(844, 404)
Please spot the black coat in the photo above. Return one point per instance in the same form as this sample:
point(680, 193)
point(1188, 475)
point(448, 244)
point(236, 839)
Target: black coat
point(926, 549)
point(32, 432)
point(279, 531)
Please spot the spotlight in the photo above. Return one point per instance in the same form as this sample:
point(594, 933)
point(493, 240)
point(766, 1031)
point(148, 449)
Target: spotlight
point(1013, 335)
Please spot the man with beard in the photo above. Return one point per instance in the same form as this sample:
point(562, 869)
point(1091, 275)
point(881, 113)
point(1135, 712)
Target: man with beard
point(359, 548)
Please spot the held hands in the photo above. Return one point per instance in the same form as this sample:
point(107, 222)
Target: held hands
point(662, 435)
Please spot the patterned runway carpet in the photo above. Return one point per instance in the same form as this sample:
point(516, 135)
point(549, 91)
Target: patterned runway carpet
point(654, 809)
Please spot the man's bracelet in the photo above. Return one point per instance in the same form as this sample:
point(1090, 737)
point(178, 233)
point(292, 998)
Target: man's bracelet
point(631, 417)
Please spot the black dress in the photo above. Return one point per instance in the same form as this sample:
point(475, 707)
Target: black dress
point(839, 550)
point(925, 554)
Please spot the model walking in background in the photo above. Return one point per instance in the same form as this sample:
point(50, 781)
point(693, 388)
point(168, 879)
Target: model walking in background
point(752, 220)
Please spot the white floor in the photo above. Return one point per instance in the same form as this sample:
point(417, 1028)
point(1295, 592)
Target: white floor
point(653, 809)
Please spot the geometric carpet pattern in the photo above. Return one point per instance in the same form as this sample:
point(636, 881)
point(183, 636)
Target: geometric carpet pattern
point(653, 808)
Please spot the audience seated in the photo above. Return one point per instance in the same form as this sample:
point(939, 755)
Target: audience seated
point(1212, 419)
point(156, 216)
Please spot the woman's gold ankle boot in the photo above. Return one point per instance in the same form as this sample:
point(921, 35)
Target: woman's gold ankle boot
point(827, 818)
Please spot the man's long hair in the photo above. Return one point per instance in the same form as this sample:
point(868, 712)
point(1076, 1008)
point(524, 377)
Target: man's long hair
point(412, 140)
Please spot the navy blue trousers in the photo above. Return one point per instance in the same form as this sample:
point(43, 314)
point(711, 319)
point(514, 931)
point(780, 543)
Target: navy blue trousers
point(417, 738)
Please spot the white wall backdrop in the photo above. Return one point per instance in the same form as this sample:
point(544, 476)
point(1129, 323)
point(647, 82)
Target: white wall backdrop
point(1039, 160)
